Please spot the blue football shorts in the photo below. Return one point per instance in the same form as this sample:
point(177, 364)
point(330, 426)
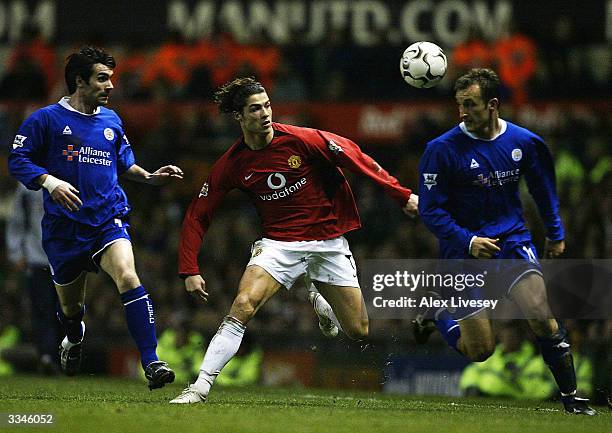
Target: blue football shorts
point(73, 248)
point(516, 260)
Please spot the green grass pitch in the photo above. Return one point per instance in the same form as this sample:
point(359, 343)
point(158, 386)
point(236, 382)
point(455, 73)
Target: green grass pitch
point(100, 404)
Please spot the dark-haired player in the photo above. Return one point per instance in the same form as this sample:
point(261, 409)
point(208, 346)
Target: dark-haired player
point(76, 149)
point(469, 198)
point(293, 176)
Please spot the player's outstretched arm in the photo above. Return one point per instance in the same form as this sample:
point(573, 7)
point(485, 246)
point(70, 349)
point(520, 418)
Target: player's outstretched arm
point(435, 188)
point(196, 286)
point(161, 176)
point(540, 176)
point(61, 192)
point(347, 154)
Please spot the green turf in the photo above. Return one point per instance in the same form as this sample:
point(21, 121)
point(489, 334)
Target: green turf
point(97, 404)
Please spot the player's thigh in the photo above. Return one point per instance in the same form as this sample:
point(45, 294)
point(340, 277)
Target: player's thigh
point(71, 296)
point(530, 295)
point(477, 338)
point(117, 260)
point(278, 259)
point(255, 288)
point(348, 306)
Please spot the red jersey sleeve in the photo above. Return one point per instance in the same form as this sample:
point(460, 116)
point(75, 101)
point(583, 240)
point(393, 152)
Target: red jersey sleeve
point(345, 153)
point(199, 216)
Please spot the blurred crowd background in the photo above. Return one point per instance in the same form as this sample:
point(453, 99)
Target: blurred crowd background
point(555, 83)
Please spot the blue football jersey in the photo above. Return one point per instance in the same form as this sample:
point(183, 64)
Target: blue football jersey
point(88, 151)
point(470, 187)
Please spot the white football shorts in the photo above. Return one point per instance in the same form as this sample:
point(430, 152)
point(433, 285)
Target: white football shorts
point(329, 261)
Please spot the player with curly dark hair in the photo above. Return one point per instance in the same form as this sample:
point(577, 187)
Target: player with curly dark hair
point(293, 177)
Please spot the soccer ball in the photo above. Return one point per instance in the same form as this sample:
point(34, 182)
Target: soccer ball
point(423, 64)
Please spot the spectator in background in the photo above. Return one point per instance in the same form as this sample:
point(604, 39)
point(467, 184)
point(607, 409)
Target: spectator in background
point(516, 370)
point(233, 58)
point(24, 81)
point(25, 252)
point(168, 70)
point(35, 52)
point(182, 347)
point(506, 373)
point(473, 53)
point(513, 55)
point(9, 338)
point(263, 58)
point(201, 58)
point(289, 85)
point(516, 56)
point(130, 71)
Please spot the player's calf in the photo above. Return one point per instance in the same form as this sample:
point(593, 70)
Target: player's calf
point(479, 353)
point(424, 323)
point(557, 355)
point(476, 340)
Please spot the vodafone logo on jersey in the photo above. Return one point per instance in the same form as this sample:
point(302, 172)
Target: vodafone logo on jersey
point(278, 183)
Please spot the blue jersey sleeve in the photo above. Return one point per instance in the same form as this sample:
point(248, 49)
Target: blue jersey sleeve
point(125, 155)
point(25, 161)
point(434, 186)
point(540, 177)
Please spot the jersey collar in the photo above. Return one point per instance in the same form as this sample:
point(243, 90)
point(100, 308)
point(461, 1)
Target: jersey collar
point(502, 128)
point(64, 103)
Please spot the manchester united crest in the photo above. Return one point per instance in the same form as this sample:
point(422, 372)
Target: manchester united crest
point(204, 190)
point(294, 161)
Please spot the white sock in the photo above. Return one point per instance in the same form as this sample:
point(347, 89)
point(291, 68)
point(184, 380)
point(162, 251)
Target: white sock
point(322, 307)
point(221, 349)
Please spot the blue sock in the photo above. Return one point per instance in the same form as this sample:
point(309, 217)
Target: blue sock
point(448, 327)
point(557, 355)
point(72, 325)
point(141, 323)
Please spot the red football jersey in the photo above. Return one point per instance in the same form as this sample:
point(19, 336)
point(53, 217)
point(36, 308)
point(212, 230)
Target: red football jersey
point(295, 183)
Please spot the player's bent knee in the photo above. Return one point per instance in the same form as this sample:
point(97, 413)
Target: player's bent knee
point(127, 280)
point(244, 307)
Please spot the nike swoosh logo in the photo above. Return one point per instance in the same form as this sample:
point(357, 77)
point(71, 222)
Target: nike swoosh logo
point(249, 176)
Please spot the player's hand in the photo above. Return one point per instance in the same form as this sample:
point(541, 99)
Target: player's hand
point(484, 248)
point(163, 175)
point(553, 249)
point(412, 206)
point(66, 196)
point(196, 286)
